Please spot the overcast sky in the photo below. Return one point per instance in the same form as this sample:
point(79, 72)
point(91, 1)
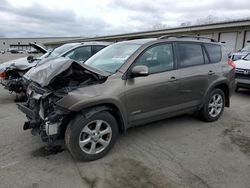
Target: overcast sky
point(29, 18)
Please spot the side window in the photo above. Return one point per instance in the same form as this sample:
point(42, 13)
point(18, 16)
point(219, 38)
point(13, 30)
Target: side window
point(158, 58)
point(190, 54)
point(80, 54)
point(96, 49)
point(214, 52)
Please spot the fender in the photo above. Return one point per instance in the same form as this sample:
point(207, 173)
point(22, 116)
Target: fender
point(88, 112)
point(90, 106)
point(213, 85)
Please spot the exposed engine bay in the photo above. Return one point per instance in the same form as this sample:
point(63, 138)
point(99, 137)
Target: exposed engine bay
point(43, 114)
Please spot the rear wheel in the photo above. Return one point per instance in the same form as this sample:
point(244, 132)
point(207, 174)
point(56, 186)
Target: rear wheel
point(91, 138)
point(214, 106)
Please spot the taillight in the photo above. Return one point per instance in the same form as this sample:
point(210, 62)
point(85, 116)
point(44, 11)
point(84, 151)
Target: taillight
point(231, 63)
point(4, 75)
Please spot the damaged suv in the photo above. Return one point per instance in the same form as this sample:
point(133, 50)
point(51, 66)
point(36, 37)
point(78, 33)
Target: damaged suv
point(12, 72)
point(127, 84)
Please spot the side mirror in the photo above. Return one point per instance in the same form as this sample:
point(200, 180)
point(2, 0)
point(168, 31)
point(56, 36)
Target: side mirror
point(139, 71)
point(30, 58)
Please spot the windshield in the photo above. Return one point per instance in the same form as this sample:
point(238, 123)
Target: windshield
point(61, 49)
point(44, 55)
point(112, 58)
point(247, 57)
point(246, 49)
point(236, 57)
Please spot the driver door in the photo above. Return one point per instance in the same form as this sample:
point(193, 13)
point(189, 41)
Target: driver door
point(154, 96)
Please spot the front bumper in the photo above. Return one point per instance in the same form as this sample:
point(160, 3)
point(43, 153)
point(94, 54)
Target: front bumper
point(17, 85)
point(42, 116)
point(243, 83)
point(5, 83)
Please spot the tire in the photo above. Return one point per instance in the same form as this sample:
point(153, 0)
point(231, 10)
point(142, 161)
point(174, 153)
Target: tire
point(206, 112)
point(95, 142)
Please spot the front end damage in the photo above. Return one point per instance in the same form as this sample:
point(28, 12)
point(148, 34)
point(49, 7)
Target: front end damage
point(44, 116)
point(13, 81)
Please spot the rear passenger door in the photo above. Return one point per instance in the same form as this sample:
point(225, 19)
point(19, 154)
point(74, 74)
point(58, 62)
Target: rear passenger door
point(195, 73)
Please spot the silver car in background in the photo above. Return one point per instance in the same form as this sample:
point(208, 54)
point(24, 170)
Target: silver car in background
point(11, 73)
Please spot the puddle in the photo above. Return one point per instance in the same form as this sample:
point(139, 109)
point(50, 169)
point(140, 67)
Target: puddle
point(46, 151)
point(243, 142)
point(132, 173)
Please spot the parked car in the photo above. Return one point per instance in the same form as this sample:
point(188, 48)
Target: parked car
point(243, 72)
point(240, 54)
point(11, 72)
point(2, 51)
point(13, 50)
point(32, 51)
point(127, 84)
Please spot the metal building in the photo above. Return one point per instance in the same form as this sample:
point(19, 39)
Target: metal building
point(234, 34)
point(23, 43)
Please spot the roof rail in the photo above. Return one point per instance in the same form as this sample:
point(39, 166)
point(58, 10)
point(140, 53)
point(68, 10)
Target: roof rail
point(187, 36)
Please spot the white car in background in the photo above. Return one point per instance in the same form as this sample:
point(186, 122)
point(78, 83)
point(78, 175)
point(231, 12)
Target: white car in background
point(242, 75)
point(240, 54)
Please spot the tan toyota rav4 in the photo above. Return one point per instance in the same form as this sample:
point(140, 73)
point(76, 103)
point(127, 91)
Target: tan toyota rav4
point(127, 84)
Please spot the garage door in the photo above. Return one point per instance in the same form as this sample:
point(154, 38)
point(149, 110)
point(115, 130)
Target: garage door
point(229, 39)
point(247, 39)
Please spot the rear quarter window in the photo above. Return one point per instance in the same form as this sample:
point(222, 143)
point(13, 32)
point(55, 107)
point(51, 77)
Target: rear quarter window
point(214, 52)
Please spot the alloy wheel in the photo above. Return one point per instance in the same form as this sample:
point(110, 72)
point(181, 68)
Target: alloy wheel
point(95, 137)
point(215, 105)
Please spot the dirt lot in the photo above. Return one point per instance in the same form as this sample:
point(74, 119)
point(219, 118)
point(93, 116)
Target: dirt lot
point(176, 153)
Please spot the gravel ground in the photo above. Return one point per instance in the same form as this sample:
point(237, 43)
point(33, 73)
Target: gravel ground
point(178, 152)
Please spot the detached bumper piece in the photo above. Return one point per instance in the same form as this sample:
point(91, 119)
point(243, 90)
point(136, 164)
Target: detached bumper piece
point(34, 120)
point(29, 113)
point(48, 128)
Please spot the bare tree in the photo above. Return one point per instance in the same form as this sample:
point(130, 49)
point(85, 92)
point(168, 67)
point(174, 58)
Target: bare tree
point(185, 24)
point(207, 20)
point(160, 26)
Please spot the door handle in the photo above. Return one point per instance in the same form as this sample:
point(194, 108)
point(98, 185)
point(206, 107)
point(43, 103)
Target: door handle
point(211, 72)
point(172, 79)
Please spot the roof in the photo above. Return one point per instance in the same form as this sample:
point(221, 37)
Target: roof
point(153, 33)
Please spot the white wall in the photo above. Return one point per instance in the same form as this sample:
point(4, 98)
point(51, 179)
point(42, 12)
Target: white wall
point(6, 42)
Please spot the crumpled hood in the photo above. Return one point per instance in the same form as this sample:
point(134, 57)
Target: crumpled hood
point(45, 72)
point(242, 64)
point(20, 64)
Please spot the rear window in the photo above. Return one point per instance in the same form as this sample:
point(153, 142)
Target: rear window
point(214, 52)
point(190, 54)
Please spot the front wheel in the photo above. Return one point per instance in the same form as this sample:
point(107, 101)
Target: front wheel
point(91, 138)
point(214, 106)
